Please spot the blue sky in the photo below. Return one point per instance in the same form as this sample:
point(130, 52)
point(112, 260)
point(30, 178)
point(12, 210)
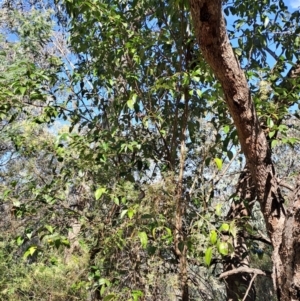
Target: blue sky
point(293, 3)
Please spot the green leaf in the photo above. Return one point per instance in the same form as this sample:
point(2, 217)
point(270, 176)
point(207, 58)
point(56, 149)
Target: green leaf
point(153, 232)
point(19, 240)
point(102, 281)
point(292, 140)
point(136, 294)
point(6, 193)
point(224, 227)
point(49, 228)
point(22, 90)
point(65, 242)
point(99, 192)
point(29, 234)
point(208, 256)
point(223, 248)
point(226, 129)
point(109, 297)
point(274, 143)
point(218, 209)
point(270, 123)
point(116, 201)
point(272, 133)
point(218, 162)
point(143, 238)
point(131, 102)
point(31, 250)
point(130, 213)
point(213, 236)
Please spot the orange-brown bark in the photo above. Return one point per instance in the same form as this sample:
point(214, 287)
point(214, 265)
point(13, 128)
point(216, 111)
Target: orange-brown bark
point(214, 43)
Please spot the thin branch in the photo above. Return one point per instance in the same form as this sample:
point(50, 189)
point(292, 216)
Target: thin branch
point(259, 238)
point(249, 287)
point(227, 167)
point(272, 53)
point(285, 185)
point(242, 270)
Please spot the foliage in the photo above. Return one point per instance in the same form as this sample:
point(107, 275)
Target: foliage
point(40, 281)
point(119, 156)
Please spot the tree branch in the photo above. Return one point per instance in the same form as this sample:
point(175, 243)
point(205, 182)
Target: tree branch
point(242, 270)
point(249, 287)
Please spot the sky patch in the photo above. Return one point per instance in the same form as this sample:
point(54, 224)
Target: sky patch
point(294, 3)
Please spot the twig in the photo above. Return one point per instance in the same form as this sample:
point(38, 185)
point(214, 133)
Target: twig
point(249, 287)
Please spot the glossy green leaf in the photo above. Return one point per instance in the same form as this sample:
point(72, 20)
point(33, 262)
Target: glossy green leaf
point(30, 251)
point(208, 256)
point(224, 227)
point(223, 248)
point(213, 236)
point(226, 129)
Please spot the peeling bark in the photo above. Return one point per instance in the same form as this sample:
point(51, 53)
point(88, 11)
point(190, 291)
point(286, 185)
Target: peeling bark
point(290, 248)
point(214, 43)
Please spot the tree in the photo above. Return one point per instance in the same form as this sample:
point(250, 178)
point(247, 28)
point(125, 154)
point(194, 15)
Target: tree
point(281, 223)
point(138, 175)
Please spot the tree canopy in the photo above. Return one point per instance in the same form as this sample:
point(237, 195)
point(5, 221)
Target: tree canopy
point(149, 150)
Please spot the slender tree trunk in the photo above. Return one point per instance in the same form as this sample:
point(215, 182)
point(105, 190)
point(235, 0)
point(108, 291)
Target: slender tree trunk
point(180, 244)
point(215, 46)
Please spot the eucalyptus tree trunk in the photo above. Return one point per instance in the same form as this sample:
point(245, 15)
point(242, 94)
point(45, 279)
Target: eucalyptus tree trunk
point(282, 226)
